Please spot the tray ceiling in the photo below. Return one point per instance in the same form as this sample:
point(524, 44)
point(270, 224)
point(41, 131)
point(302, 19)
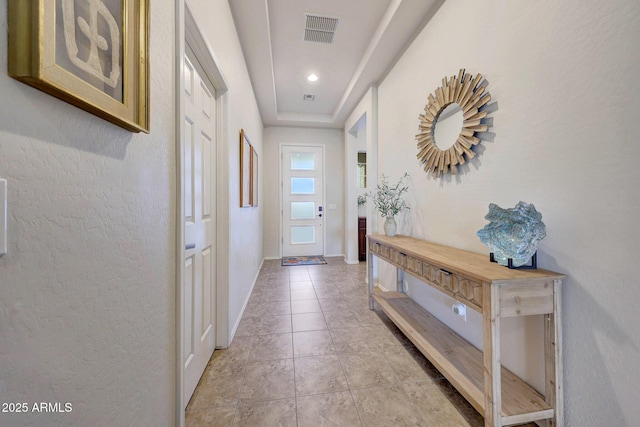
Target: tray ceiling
point(349, 44)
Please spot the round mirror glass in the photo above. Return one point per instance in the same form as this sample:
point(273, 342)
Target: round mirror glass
point(448, 126)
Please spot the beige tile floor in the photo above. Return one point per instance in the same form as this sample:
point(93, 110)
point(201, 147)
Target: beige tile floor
point(309, 352)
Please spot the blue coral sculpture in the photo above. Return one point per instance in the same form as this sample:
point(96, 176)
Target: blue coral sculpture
point(513, 233)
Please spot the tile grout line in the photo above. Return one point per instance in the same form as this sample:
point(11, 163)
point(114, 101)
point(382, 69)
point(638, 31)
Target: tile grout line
point(253, 335)
point(293, 355)
point(244, 376)
point(353, 398)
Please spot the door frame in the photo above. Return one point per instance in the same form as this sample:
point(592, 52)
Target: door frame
point(189, 33)
point(281, 193)
point(367, 110)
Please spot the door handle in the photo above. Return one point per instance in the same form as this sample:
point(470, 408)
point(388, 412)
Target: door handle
point(190, 246)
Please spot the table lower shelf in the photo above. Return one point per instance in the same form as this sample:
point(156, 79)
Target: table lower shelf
point(460, 362)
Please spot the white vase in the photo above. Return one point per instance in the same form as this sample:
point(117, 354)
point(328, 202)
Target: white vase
point(390, 226)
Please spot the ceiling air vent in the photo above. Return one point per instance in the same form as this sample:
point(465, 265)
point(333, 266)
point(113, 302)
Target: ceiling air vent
point(319, 28)
point(308, 97)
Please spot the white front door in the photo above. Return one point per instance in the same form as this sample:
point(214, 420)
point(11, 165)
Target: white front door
point(302, 200)
point(198, 154)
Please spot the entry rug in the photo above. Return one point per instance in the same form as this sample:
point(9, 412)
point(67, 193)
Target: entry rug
point(303, 260)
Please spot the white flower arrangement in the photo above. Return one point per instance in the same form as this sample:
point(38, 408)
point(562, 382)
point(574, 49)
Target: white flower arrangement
point(388, 199)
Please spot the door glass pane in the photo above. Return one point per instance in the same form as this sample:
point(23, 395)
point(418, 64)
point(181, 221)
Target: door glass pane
point(303, 161)
point(303, 235)
point(303, 210)
point(303, 185)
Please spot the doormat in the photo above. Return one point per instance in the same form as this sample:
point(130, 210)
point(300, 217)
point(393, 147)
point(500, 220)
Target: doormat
point(303, 260)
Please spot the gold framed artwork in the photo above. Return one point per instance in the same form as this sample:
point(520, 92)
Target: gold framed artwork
point(248, 172)
point(90, 53)
point(254, 177)
point(245, 170)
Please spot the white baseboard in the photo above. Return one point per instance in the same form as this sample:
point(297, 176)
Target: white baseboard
point(246, 301)
point(326, 256)
point(382, 288)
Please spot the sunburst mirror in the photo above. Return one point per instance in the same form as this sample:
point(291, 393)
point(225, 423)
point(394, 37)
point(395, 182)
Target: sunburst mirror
point(460, 98)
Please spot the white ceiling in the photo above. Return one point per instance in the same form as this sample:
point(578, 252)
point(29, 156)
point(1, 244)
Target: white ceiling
point(370, 37)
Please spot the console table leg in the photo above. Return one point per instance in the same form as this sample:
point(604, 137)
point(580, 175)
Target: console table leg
point(370, 275)
point(400, 279)
point(492, 366)
point(553, 357)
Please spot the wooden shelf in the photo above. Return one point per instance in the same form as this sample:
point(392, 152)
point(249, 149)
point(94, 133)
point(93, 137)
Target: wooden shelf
point(458, 360)
point(496, 292)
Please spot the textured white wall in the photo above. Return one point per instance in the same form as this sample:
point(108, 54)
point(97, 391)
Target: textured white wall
point(87, 286)
point(367, 112)
point(245, 225)
point(564, 76)
point(361, 130)
point(332, 140)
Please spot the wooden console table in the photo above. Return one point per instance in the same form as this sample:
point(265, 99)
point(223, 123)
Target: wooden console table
point(494, 291)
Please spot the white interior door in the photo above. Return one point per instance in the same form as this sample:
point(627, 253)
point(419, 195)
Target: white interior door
point(198, 154)
point(302, 200)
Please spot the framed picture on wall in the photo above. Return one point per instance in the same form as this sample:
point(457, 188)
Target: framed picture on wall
point(254, 177)
point(245, 170)
point(93, 54)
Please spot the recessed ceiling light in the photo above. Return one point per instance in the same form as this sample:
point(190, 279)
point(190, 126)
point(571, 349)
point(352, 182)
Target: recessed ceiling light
point(312, 78)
